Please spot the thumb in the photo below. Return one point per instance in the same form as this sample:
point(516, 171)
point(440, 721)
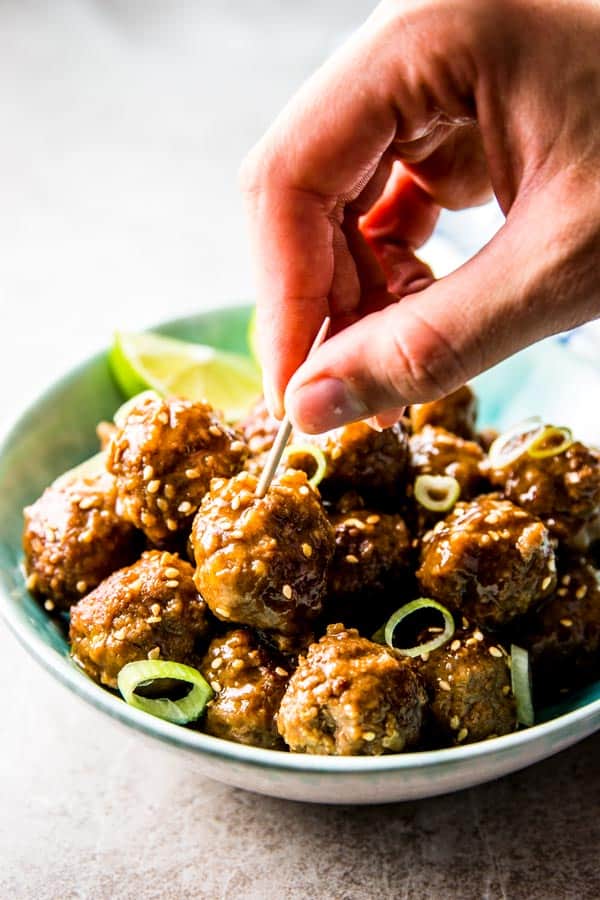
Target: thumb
point(525, 285)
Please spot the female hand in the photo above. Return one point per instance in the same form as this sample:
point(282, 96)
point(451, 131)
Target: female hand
point(433, 103)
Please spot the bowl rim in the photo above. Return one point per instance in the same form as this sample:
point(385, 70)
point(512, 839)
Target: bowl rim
point(191, 740)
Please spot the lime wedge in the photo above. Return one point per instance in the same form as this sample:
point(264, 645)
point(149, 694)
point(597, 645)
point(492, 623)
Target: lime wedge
point(252, 337)
point(228, 381)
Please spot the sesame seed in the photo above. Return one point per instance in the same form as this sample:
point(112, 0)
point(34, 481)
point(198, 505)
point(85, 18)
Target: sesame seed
point(237, 447)
point(494, 651)
point(185, 507)
point(216, 663)
point(152, 620)
point(455, 645)
point(477, 635)
point(162, 504)
point(190, 474)
point(215, 686)
point(163, 417)
point(369, 736)
point(307, 550)
point(237, 665)
point(235, 503)
point(581, 592)
point(148, 473)
point(462, 734)
point(303, 490)
point(121, 634)
point(172, 525)
point(506, 690)
point(566, 580)
point(155, 609)
point(568, 623)
point(81, 587)
point(562, 592)
point(425, 656)
point(287, 591)
point(154, 653)
point(171, 572)
point(454, 723)
point(282, 672)
point(31, 582)
point(546, 582)
point(172, 584)
point(215, 430)
point(88, 502)
point(351, 558)
point(164, 558)
point(353, 522)
point(484, 539)
point(169, 491)
point(373, 520)
point(465, 622)
point(49, 605)
point(221, 612)
point(552, 564)
point(445, 686)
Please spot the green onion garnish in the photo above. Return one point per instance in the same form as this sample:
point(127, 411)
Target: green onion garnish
point(318, 456)
point(407, 610)
point(510, 445)
point(120, 417)
point(552, 441)
point(521, 684)
point(437, 493)
point(141, 674)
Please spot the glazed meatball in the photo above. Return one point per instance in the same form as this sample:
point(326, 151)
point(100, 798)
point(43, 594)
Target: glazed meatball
point(259, 428)
point(150, 610)
point(456, 412)
point(435, 451)
point(248, 683)
point(469, 687)
point(360, 458)
point(563, 637)
point(73, 538)
point(372, 553)
point(489, 560)
point(563, 490)
point(263, 562)
point(350, 696)
point(163, 459)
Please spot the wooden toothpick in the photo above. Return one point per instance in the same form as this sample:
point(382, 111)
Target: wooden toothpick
point(285, 429)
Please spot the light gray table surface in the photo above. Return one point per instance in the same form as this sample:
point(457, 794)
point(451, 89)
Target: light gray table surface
point(122, 123)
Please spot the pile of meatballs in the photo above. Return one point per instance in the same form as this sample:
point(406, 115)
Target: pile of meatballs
point(168, 554)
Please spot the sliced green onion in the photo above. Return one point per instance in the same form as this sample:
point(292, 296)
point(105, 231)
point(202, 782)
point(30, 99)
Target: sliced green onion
point(407, 610)
point(552, 441)
point(520, 674)
point(511, 444)
point(438, 493)
point(89, 468)
point(189, 708)
point(318, 456)
point(120, 417)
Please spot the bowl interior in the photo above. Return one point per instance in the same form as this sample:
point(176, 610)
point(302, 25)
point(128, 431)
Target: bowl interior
point(59, 431)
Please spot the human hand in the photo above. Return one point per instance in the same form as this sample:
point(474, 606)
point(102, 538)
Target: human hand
point(454, 100)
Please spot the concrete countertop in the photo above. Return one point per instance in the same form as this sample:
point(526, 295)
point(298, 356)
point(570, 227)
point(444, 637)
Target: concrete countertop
point(123, 123)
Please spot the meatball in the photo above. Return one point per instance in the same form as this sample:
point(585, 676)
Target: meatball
point(360, 458)
point(248, 683)
point(456, 412)
point(163, 459)
point(563, 637)
point(263, 562)
point(469, 687)
point(351, 697)
point(73, 538)
point(150, 610)
point(372, 552)
point(435, 451)
point(489, 560)
point(563, 490)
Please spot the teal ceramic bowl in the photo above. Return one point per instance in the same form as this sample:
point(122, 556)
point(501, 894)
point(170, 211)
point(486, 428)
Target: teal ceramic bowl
point(59, 431)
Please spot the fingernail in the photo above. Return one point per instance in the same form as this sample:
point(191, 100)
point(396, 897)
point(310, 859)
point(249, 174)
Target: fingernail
point(274, 407)
point(324, 404)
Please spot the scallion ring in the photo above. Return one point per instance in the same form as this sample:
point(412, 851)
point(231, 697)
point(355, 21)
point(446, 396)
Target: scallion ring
point(437, 493)
point(145, 671)
point(407, 610)
point(521, 684)
point(552, 441)
point(318, 456)
point(120, 417)
point(512, 444)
